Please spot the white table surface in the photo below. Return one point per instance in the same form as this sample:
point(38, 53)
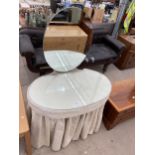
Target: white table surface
point(65, 91)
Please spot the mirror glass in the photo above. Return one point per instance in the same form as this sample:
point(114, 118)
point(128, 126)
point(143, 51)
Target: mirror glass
point(64, 41)
point(64, 60)
point(70, 15)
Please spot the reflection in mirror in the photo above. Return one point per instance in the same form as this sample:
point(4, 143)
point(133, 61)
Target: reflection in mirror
point(64, 37)
point(63, 60)
point(64, 40)
point(67, 16)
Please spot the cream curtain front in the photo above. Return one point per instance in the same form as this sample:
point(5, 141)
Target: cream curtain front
point(58, 133)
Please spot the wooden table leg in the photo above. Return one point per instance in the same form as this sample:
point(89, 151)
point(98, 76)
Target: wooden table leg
point(28, 143)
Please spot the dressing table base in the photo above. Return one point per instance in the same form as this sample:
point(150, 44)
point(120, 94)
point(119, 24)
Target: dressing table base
point(58, 133)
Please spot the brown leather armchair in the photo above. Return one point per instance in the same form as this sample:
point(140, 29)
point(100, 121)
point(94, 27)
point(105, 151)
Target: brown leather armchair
point(103, 51)
point(31, 47)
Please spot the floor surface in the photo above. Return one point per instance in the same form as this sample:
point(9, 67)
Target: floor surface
point(118, 141)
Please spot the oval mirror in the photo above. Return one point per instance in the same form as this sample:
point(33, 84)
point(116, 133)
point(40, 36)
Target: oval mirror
point(64, 41)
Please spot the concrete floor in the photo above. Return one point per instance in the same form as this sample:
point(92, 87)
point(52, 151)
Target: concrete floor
point(118, 141)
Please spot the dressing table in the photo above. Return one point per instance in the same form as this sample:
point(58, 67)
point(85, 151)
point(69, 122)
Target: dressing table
point(67, 104)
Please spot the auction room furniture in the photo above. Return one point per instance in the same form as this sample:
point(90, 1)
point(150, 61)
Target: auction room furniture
point(67, 104)
point(63, 15)
point(70, 15)
point(102, 49)
point(121, 103)
point(23, 123)
point(68, 37)
point(31, 47)
point(96, 29)
point(127, 59)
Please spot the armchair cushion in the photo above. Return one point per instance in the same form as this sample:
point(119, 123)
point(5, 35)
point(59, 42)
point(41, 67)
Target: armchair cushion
point(114, 43)
point(25, 45)
point(99, 52)
point(38, 32)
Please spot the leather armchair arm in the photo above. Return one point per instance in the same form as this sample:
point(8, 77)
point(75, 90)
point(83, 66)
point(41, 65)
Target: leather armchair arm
point(114, 42)
point(36, 35)
point(38, 32)
point(25, 45)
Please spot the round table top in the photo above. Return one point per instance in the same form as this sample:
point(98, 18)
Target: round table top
point(70, 90)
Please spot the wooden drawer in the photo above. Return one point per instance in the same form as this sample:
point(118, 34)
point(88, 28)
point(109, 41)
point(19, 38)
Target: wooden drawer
point(129, 61)
point(128, 40)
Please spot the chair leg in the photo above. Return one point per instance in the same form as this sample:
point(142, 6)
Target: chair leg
point(105, 67)
point(28, 143)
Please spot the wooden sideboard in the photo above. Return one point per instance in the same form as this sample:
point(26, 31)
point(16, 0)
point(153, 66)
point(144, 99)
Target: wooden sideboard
point(127, 59)
point(68, 37)
point(121, 103)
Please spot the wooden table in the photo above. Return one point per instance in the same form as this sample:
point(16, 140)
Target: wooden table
point(23, 123)
point(65, 37)
point(121, 103)
point(127, 59)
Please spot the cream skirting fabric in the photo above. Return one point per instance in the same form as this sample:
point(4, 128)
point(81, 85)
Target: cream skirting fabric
point(58, 133)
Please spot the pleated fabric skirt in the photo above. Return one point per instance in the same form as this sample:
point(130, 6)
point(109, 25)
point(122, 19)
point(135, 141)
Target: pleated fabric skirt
point(58, 133)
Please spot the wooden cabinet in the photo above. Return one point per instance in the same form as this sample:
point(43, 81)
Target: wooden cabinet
point(121, 103)
point(58, 37)
point(127, 59)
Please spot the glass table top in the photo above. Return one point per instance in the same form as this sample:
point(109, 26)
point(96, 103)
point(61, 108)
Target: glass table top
point(69, 90)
